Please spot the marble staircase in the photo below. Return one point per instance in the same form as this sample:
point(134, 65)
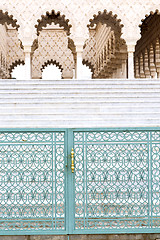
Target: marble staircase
point(79, 103)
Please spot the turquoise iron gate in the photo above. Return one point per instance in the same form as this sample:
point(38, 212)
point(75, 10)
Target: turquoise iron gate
point(32, 182)
point(108, 183)
point(116, 181)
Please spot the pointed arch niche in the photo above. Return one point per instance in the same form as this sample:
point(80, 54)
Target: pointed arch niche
point(147, 50)
point(53, 30)
point(105, 52)
point(10, 46)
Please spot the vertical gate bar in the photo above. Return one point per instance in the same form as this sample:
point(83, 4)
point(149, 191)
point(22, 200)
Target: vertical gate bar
point(66, 182)
point(149, 179)
point(84, 207)
point(55, 151)
point(70, 206)
point(86, 210)
point(52, 181)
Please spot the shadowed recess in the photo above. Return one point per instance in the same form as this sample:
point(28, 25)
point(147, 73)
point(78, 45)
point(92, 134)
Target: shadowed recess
point(55, 18)
point(5, 18)
point(107, 18)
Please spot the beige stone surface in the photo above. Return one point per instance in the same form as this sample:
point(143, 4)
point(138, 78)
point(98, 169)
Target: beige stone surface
point(106, 29)
point(79, 13)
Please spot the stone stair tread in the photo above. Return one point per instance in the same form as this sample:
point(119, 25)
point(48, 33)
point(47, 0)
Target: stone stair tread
point(69, 114)
point(78, 90)
point(81, 103)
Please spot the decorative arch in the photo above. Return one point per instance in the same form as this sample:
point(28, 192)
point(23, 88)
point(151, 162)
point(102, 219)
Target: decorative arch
point(6, 18)
point(54, 44)
point(10, 48)
point(107, 18)
point(54, 62)
point(88, 64)
point(147, 50)
point(15, 64)
point(145, 21)
point(105, 51)
point(53, 17)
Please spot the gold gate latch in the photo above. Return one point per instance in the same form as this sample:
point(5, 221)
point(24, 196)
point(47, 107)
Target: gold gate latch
point(72, 160)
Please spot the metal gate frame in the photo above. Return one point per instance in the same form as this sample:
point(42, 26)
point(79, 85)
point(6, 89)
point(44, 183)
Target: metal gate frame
point(70, 218)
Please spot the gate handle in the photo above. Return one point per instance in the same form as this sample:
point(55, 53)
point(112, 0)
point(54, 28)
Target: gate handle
point(72, 160)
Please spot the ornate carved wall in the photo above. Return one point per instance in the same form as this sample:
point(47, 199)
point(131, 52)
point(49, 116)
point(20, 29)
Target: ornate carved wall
point(105, 52)
point(53, 46)
point(10, 50)
point(15, 53)
point(147, 54)
point(3, 51)
point(75, 17)
point(79, 13)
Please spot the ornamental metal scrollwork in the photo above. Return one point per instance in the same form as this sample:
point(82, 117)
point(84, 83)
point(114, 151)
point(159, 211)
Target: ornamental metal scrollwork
point(32, 181)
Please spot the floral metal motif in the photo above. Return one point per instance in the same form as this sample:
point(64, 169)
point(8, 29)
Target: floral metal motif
point(32, 181)
point(117, 183)
point(115, 186)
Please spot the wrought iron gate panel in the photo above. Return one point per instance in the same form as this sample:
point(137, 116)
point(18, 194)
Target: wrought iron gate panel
point(32, 182)
point(116, 184)
point(108, 183)
point(155, 179)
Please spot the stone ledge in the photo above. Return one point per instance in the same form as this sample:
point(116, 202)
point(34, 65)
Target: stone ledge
point(86, 237)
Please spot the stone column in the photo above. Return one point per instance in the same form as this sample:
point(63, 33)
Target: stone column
point(152, 63)
point(79, 52)
point(142, 75)
point(146, 64)
point(124, 69)
point(130, 50)
point(28, 66)
point(157, 57)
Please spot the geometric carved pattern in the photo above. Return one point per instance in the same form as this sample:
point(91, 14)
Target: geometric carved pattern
point(53, 46)
point(147, 51)
point(113, 182)
point(32, 189)
point(15, 54)
point(3, 52)
point(53, 17)
point(79, 14)
point(89, 52)
point(5, 18)
point(11, 53)
point(104, 51)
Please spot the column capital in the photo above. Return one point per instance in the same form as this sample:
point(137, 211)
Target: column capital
point(28, 44)
point(27, 48)
point(131, 43)
point(131, 48)
point(79, 48)
point(79, 43)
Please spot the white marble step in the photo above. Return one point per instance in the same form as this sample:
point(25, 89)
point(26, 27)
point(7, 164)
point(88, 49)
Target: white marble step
point(94, 101)
point(80, 103)
point(63, 123)
point(79, 109)
point(78, 82)
point(74, 81)
point(79, 97)
point(126, 116)
point(77, 90)
point(88, 104)
point(90, 87)
point(74, 100)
